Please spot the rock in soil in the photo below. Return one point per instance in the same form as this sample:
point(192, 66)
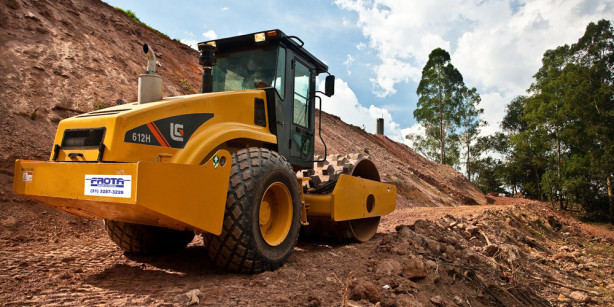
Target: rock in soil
point(388, 267)
point(414, 269)
point(437, 300)
point(580, 297)
point(362, 289)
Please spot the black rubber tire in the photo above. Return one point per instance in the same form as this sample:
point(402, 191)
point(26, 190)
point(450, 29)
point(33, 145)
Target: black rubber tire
point(241, 248)
point(147, 240)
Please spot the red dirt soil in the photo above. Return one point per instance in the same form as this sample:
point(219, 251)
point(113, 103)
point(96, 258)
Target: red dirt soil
point(446, 244)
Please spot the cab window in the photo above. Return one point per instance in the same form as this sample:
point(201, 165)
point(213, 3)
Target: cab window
point(250, 69)
point(280, 76)
point(302, 90)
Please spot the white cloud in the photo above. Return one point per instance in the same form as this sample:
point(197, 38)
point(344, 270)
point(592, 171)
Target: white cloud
point(210, 35)
point(225, 9)
point(345, 105)
point(348, 62)
point(494, 109)
point(497, 45)
point(403, 33)
point(504, 49)
point(190, 42)
point(416, 129)
point(391, 72)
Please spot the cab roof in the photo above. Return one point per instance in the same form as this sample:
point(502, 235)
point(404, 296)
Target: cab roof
point(264, 38)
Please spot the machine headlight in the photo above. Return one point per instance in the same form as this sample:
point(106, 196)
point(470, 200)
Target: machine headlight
point(259, 37)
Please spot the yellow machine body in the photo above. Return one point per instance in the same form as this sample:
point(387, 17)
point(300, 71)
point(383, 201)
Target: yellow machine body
point(232, 119)
point(353, 198)
point(178, 188)
point(176, 196)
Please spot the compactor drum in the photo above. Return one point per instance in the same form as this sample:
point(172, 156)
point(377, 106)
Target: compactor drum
point(323, 179)
point(234, 163)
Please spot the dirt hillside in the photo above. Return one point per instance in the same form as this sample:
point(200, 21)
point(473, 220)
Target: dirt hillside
point(420, 182)
point(447, 244)
point(60, 58)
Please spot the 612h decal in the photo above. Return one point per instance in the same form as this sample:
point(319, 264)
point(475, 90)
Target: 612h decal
point(174, 131)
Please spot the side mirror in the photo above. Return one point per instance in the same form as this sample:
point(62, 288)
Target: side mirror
point(329, 86)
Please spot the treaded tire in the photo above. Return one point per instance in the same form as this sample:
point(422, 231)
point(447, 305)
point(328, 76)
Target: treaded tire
point(147, 240)
point(241, 247)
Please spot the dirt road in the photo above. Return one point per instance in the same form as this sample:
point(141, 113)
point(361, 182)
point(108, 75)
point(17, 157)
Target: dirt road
point(81, 266)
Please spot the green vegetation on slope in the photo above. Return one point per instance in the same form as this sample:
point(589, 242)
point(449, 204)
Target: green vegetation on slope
point(132, 15)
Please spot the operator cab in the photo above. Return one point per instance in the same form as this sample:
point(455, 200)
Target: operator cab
point(278, 64)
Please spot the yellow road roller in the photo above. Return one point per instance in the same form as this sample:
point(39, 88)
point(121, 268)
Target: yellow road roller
point(234, 163)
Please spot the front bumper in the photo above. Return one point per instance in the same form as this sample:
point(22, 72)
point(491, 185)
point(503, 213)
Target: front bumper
point(176, 196)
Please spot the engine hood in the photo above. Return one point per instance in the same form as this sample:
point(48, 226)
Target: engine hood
point(178, 129)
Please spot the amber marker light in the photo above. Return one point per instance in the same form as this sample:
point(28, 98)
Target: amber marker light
point(271, 33)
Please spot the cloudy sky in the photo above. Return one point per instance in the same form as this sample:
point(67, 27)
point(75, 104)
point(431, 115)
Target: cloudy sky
point(377, 49)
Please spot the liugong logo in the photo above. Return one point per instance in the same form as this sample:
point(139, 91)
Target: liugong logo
point(177, 132)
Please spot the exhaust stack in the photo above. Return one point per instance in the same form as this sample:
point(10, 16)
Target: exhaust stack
point(150, 83)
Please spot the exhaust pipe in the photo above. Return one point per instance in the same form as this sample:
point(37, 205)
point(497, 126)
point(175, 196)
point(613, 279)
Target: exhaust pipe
point(150, 83)
point(151, 59)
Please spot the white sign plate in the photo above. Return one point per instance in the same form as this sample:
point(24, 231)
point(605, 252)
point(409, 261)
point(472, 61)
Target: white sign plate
point(27, 176)
point(108, 185)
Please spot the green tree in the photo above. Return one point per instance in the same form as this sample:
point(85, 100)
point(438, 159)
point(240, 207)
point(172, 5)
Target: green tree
point(487, 172)
point(545, 109)
point(437, 108)
point(488, 175)
point(525, 150)
point(561, 137)
point(592, 100)
point(469, 125)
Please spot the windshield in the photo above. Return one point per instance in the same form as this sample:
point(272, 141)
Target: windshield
point(250, 69)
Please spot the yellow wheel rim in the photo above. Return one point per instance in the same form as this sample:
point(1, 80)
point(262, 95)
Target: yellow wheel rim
point(275, 216)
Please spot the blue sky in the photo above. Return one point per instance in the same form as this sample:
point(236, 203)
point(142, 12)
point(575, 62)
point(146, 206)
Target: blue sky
point(377, 49)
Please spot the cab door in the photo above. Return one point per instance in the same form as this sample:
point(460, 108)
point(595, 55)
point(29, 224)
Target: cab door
point(302, 127)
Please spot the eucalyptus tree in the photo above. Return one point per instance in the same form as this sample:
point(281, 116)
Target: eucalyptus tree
point(591, 96)
point(438, 108)
point(546, 109)
point(469, 125)
point(526, 155)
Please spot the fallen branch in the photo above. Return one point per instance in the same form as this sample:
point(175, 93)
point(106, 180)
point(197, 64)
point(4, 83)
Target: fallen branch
point(471, 274)
point(510, 294)
point(345, 286)
point(564, 285)
point(485, 237)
